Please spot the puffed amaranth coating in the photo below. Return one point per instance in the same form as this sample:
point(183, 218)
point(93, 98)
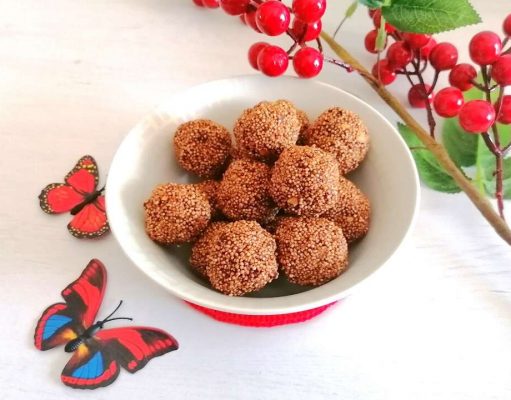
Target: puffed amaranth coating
point(202, 247)
point(176, 213)
point(263, 131)
point(311, 251)
point(305, 181)
point(242, 259)
point(210, 188)
point(244, 191)
point(202, 147)
point(342, 133)
point(352, 211)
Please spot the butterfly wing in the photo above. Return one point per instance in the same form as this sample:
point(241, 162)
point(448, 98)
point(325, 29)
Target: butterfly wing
point(63, 322)
point(80, 181)
point(97, 362)
point(91, 220)
point(133, 347)
point(57, 198)
point(84, 176)
point(56, 326)
point(91, 366)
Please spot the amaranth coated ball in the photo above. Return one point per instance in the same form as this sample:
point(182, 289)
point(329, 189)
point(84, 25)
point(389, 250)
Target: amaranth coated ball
point(242, 258)
point(176, 214)
point(210, 189)
point(351, 212)
point(263, 131)
point(202, 147)
point(311, 251)
point(202, 247)
point(342, 133)
point(243, 192)
point(305, 181)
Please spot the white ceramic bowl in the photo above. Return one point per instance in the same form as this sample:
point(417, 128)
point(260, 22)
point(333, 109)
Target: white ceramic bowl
point(388, 176)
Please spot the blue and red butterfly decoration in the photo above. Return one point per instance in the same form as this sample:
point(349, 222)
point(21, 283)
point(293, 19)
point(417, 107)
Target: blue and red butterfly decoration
point(79, 195)
point(98, 354)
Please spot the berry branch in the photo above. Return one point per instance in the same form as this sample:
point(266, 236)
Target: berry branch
point(479, 200)
point(302, 24)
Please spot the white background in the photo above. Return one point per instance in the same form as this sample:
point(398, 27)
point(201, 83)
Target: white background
point(75, 76)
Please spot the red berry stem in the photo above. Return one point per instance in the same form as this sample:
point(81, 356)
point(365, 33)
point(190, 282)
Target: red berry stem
point(494, 146)
point(435, 80)
point(478, 85)
point(429, 110)
point(320, 45)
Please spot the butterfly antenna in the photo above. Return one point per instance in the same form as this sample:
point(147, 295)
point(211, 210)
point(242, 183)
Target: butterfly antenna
point(114, 311)
point(113, 319)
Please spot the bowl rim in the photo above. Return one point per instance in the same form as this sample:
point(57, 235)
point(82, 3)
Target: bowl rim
point(249, 307)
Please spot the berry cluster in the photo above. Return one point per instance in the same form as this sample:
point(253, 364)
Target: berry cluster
point(411, 53)
point(301, 22)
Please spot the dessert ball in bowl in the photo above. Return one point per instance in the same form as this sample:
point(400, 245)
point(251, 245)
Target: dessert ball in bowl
point(386, 174)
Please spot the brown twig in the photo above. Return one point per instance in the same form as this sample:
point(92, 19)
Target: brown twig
point(479, 200)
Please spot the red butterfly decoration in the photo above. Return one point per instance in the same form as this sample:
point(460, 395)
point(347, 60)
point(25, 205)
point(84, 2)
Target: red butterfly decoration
point(97, 353)
point(79, 195)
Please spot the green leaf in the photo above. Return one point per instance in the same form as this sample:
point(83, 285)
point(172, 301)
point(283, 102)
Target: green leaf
point(430, 16)
point(372, 3)
point(430, 171)
point(485, 166)
point(351, 9)
point(461, 146)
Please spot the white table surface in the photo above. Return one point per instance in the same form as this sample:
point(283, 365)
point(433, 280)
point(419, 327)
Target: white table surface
point(75, 76)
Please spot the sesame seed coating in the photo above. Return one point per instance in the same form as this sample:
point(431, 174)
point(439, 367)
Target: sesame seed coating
point(311, 251)
point(342, 133)
point(210, 189)
point(241, 259)
point(202, 147)
point(351, 212)
point(243, 192)
point(263, 131)
point(305, 181)
point(176, 214)
point(202, 247)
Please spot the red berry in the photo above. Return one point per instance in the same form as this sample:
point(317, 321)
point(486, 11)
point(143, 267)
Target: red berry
point(501, 70)
point(462, 75)
point(308, 62)
point(371, 11)
point(370, 41)
point(383, 72)
point(503, 110)
point(234, 7)
point(477, 116)
point(443, 56)
point(377, 21)
point(198, 3)
point(399, 55)
point(250, 19)
point(273, 17)
point(448, 102)
point(242, 19)
point(416, 40)
point(309, 11)
point(272, 61)
point(211, 3)
point(425, 51)
point(418, 94)
point(306, 32)
point(507, 25)
point(485, 48)
point(253, 53)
